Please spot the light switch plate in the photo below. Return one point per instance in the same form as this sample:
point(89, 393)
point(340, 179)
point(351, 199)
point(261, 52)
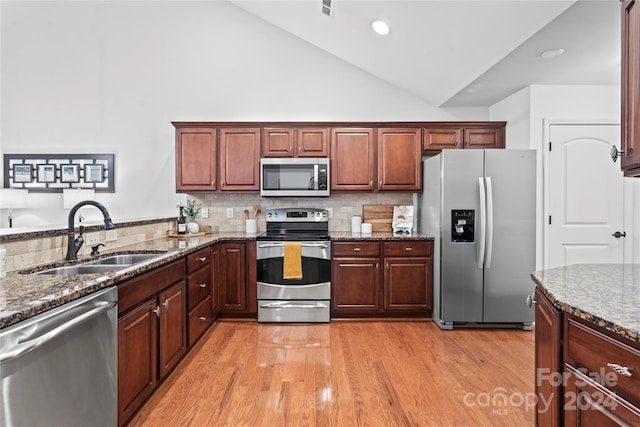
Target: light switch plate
point(330, 212)
point(229, 212)
point(204, 213)
point(111, 235)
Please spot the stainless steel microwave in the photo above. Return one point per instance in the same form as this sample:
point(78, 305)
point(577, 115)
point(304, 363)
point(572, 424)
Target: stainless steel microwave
point(294, 176)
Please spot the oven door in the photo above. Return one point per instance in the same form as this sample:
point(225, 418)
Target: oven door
point(315, 283)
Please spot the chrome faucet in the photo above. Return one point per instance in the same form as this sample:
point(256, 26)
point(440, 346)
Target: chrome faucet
point(74, 244)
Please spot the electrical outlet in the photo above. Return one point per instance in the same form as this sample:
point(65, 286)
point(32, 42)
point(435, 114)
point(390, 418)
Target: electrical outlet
point(229, 212)
point(111, 235)
point(330, 212)
point(204, 213)
point(92, 238)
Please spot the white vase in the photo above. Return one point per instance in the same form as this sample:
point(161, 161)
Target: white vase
point(193, 227)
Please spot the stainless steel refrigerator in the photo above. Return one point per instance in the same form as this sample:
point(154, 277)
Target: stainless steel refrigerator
point(481, 206)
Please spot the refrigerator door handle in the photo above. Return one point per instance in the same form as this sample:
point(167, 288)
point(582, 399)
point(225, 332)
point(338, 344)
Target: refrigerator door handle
point(483, 216)
point(489, 222)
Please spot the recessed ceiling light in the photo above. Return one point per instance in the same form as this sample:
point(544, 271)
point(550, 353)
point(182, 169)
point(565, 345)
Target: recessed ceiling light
point(380, 27)
point(551, 53)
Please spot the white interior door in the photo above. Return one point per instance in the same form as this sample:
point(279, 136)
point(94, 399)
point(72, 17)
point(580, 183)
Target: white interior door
point(586, 196)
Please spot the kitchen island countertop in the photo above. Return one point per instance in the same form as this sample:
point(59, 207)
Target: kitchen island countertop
point(605, 294)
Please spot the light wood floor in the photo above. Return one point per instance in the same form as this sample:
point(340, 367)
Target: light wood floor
point(348, 373)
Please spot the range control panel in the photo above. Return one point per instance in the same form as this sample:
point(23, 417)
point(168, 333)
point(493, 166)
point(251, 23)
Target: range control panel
point(297, 215)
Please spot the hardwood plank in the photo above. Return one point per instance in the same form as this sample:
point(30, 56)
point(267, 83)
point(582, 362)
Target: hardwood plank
point(364, 373)
point(380, 217)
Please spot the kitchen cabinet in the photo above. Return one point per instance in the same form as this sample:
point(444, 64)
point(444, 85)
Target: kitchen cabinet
point(152, 333)
point(603, 387)
point(216, 280)
point(408, 276)
point(630, 85)
point(232, 277)
point(295, 142)
point(399, 159)
point(199, 293)
point(548, 360)
point(457, 137)
point(356, 277)
point(360, 284)
point(196, 159)
point(239, 159)
point(352, 159)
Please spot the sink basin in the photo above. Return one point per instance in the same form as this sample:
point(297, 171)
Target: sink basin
point(126, 259)
point(81, 269)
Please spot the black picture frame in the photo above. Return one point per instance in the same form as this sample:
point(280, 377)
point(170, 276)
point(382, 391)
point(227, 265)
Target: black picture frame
point(46, 173)
point(94, 173)
point(22, 173)
point(70, 173)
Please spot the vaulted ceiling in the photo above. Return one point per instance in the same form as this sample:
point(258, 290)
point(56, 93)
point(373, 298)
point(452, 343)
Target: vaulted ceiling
point(461, 53)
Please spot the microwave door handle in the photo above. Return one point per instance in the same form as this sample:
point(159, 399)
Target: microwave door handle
point(315, 177)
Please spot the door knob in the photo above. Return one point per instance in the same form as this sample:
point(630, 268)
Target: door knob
point(615, 153)
point(618, 234)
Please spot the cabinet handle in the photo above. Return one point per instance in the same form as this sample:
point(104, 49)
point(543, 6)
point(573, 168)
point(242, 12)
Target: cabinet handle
point(157, 311)
point(622, 370)
point(203, 259)
point(409, 249)
point(222, 185)
point(213, 183)
point(380, 186)
point(377, 265)
point(356, 249)
point(203, 285)
point(165, 304)
point(202, 318)
point(371, 184)
point(531, 301)
point(387, 266)
point(290, 149)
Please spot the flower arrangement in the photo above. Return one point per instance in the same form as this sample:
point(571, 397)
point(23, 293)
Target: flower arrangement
point(191, 210)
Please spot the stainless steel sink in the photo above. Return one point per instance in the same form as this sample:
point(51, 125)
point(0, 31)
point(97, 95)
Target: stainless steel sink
point(81, 269)
point(125, 259)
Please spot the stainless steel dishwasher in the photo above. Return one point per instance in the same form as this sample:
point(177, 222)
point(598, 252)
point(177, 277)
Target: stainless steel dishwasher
point(60, 368)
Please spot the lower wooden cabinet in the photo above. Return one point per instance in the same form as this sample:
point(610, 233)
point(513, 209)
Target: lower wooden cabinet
point(152, 333)
point(361, 285)
point(199, 291)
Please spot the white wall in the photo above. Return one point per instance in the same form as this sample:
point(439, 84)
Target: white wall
point(527, 110)
point(109, 77)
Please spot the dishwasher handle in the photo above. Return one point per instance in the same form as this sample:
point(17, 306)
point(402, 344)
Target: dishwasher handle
point(24, 347)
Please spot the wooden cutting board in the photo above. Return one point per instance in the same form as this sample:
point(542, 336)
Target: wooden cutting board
point(380, 217)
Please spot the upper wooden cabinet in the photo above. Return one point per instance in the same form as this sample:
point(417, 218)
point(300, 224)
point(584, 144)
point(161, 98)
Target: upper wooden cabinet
point(295, 142)
point(352, 159)
point(196, 159)
point(240, 159)
point(630, 84)
point(399, 159)
point(447, 137)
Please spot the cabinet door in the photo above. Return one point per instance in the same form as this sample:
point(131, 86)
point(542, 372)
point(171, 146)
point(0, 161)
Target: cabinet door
point(548, 360)
point(441, 138)
point(355, 284)
point(587, 403)
point(137, 358)
point(196, 161)
point(233, 273)
point(277, 142)
point(352, 159)
point(172, 334)
point(407, 284)
point(312, 142)
point(630, 119)
point(239, 159)
point(483, 138)
point(216, 279)
point(399, 158)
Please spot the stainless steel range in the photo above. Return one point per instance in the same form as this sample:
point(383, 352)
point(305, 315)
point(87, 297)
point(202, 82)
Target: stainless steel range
point(305, 299)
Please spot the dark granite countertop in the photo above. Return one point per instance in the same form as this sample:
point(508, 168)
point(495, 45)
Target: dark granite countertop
point(605, 294)
point(25, 295)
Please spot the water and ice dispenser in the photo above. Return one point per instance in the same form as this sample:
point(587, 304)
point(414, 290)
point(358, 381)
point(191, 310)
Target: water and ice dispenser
point(462, 225)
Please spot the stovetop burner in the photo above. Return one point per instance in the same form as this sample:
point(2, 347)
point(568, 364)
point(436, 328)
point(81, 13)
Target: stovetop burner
point(296, 224)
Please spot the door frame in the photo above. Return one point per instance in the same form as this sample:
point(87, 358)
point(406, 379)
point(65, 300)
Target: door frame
point(627, 225)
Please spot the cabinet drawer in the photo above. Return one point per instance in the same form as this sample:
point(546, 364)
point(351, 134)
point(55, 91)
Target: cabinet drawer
point(597, 353)
point(198, 260)
point(407, 248)
point(199, 320)
point(198, 286)
point(351, 249)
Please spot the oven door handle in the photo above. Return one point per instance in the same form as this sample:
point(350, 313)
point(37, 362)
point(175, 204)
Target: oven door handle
point(292, 305)
point(281, 245)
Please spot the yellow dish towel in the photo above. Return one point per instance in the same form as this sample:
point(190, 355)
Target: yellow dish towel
point(292, 268)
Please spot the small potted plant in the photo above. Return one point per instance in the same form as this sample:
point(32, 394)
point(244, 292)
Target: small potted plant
point(191, 211)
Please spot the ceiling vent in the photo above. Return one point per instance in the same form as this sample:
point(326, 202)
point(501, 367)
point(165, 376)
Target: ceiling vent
point(326, 7)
